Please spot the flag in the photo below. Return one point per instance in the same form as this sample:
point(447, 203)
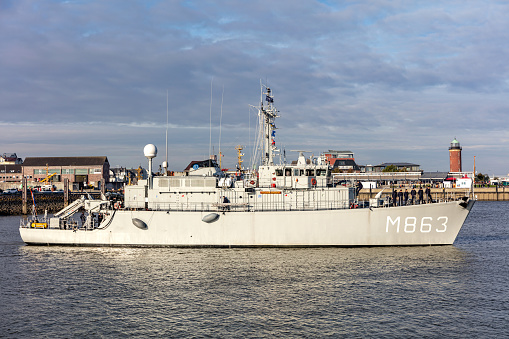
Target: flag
point(32, 196)
point(269, 99)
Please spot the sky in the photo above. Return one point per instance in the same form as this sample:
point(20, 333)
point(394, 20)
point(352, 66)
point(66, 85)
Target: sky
point(390, 81)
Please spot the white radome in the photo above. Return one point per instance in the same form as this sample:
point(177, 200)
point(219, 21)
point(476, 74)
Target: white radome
point(150, 151)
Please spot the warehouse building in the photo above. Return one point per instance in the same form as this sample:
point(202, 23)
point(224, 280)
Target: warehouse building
point(81, 171)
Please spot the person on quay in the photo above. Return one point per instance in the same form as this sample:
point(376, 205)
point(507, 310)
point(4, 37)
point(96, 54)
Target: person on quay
point(412, 194)
point(400, 198)
point(428, 195)
point(420, 195)
point(405, 197)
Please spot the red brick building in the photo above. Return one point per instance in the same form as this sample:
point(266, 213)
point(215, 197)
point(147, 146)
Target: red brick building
point(79, 170)
point(341, 160)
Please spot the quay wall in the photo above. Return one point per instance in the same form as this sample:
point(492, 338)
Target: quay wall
point(52, 202)
point(482, 194)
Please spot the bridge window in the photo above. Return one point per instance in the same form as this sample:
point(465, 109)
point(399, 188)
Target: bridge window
point(321, 173)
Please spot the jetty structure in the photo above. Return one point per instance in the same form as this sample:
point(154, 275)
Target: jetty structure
point(275, 205)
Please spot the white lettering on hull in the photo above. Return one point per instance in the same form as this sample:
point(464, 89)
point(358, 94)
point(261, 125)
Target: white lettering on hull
point(411, 224)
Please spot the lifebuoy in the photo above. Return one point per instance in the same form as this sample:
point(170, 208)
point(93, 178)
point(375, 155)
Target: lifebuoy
point(313, 181)
point(252, 182)
point(274, 179)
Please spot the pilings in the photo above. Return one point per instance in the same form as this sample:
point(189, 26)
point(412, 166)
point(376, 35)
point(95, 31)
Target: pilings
point(24, 196)
point(66, 192)
point(12, 204)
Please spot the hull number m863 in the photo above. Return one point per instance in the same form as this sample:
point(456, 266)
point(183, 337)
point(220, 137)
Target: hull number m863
point(413, 224)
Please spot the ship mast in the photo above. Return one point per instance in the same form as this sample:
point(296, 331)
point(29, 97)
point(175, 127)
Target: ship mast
point(269, 115)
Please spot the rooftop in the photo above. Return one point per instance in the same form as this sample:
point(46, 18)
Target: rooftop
point(64, 161)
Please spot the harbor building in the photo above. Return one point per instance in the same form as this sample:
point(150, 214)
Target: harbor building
point(400, 167)
point(10, 159)
point(346, 165)
point(331, 156)
point(341, 161)
point(455, 156)
point(81, 171)
point(120, 176)
point(10, 171)
point(10, 176)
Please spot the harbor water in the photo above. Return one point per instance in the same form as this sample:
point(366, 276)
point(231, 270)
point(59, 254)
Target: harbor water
point(457, 291)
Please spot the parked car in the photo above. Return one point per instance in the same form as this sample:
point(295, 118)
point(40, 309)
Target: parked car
point(10, 191)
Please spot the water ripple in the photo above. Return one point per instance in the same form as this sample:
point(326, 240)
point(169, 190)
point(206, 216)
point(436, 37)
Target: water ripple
point(453, 291)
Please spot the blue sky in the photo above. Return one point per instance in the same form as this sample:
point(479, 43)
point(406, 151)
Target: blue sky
point(392, 81)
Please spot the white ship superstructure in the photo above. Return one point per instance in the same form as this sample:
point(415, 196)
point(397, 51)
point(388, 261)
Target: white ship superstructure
point(277, 205)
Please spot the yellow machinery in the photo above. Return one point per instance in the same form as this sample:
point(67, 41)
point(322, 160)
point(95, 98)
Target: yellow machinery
point(36, 224)
point(239, 149)
point(48, 177)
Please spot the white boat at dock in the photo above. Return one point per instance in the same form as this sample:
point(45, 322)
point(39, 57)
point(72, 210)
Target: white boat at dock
point(278, 205)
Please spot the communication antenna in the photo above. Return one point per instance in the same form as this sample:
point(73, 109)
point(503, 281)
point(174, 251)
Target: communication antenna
point(210, 127)
point(220, 125)
point(165, 163)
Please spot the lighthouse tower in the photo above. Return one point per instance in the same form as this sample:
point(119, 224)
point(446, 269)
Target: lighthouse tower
point(455, 156)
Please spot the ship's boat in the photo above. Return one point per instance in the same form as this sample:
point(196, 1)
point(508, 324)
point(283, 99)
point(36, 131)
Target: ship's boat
point(279, 204)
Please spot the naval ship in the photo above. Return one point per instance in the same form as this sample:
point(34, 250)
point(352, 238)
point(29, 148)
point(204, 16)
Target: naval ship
point(277, 205)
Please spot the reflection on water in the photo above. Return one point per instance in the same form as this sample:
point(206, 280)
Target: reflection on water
point(368, 292)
